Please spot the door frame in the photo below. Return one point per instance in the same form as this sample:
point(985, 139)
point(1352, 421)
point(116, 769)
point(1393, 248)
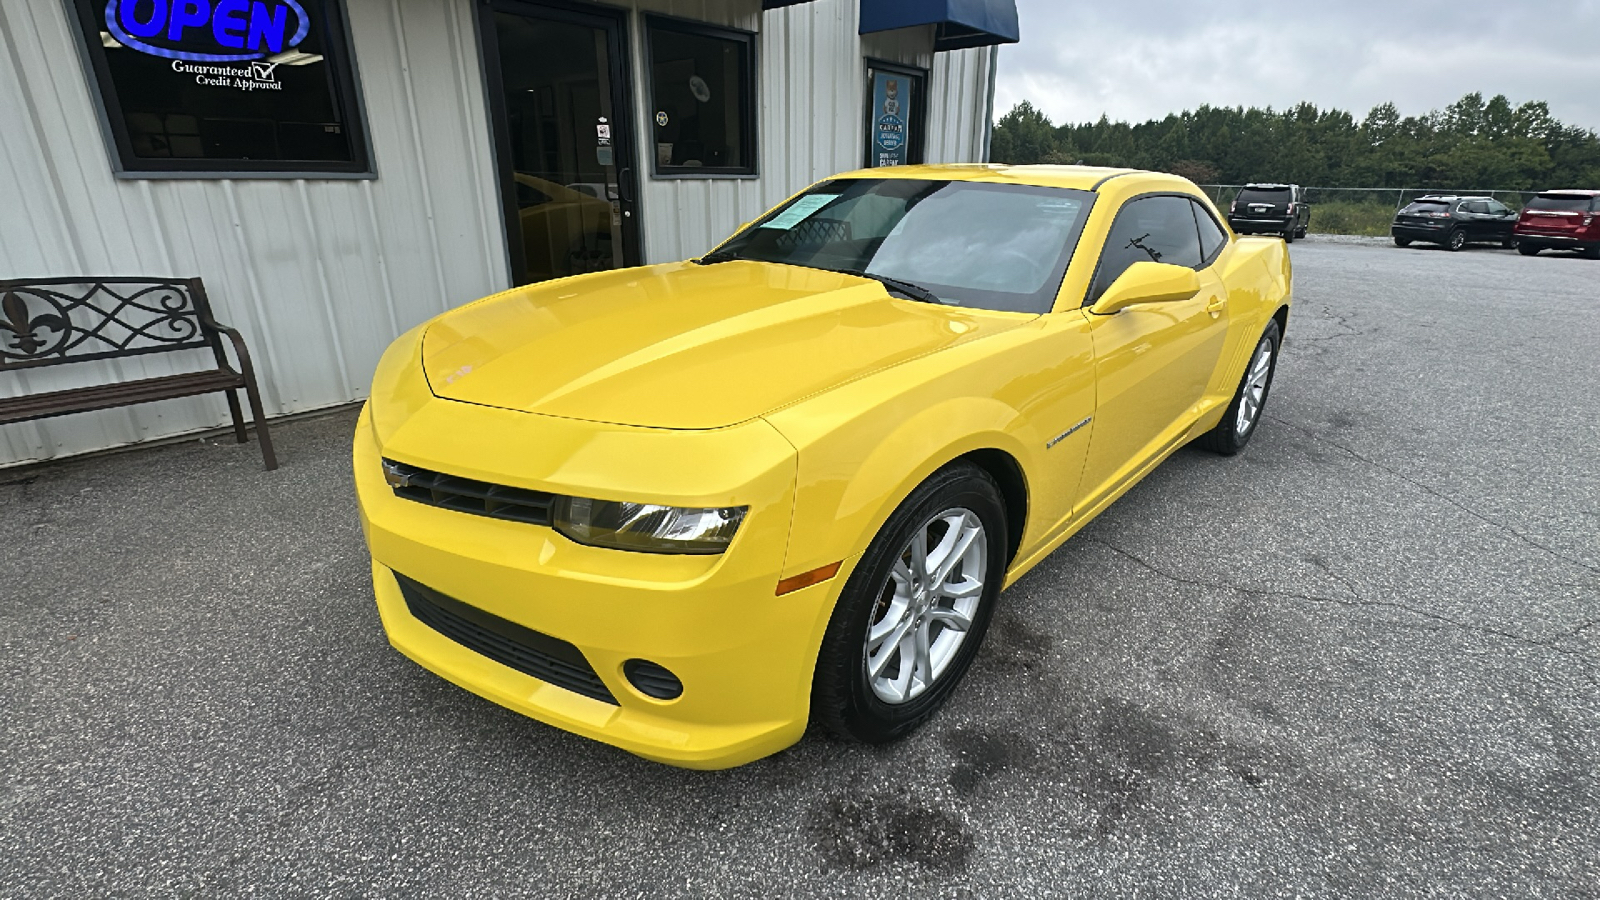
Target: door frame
point(623, 115)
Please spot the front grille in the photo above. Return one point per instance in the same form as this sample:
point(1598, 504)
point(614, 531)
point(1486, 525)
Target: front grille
point(516, 646)
point(481, 498)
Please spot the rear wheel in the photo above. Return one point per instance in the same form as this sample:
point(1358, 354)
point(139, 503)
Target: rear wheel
point(1592, 251)
point(915, 609)
point(1402, 242)
point(1455, 240)
point(1528, 249)
point(1509, 243)
point(1301, 232)
point(1288, 235)
point(1244, 413)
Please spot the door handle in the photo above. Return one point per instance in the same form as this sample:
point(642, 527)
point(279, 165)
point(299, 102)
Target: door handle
point(1216, 305)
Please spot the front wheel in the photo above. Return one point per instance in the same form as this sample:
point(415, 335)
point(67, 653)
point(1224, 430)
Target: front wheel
point(1244, 413)
point(1455, 240)
point(1509, 243)
point(1402, 242)
point(915, 609)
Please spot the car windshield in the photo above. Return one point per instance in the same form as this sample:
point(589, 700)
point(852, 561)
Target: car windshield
point(987, 246)
point(1560, 202)
point(1264, 195)
point(1427, 206)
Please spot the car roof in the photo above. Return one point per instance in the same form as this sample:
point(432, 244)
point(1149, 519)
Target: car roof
point(1572, 192)
point(1082, 178)
point(1273, 185)
point(1452, 197)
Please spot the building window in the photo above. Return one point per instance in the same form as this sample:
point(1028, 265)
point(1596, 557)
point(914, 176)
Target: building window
point(896, 106)
point(226, 86)
point(702, 94)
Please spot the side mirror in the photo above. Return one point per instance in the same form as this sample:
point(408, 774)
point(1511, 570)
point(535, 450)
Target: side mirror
point(1148, 282)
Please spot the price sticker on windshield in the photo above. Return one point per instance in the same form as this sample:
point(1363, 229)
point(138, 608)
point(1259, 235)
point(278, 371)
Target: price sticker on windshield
point(799, 211)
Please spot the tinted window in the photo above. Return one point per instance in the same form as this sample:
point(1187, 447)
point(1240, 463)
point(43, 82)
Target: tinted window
point(1264, 195)
point(1562, 202)
point(1475, 206)
point(1426, 206)
point(702, 87)
point(225, 87)
point(1212, 237)
point(991, 246)
point(1152, 229)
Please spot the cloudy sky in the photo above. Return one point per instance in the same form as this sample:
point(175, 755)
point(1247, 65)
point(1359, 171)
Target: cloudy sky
point(1141, 59)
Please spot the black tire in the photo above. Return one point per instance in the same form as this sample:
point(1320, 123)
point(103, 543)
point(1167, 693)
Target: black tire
point(1455, 240)
point(1402, 242)
point(1300, 232)
point(1226, 438)
point(1509, 243)
point(1529, 249)
point(842, 700)
point(1591, 252)
point(1288, 235)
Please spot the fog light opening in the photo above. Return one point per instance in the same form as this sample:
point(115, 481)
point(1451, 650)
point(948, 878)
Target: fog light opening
point(652, 680)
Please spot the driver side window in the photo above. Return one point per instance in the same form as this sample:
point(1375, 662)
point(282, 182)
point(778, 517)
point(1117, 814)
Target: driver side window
point(1149, 229)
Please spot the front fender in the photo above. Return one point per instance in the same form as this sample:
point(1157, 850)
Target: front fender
point(852, 477)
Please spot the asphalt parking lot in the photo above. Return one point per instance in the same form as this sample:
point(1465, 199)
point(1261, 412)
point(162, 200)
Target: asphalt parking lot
point(1361, 659)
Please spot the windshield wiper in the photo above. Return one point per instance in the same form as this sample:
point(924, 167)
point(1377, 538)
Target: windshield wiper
point(913, 291)
point(718, 256)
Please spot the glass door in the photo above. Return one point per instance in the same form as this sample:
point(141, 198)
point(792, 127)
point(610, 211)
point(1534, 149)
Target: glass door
point(561, 113)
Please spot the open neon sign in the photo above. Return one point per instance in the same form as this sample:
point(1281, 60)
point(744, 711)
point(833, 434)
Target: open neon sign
point(228, 30)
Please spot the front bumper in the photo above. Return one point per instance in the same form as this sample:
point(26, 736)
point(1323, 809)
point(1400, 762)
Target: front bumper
point(745, 657)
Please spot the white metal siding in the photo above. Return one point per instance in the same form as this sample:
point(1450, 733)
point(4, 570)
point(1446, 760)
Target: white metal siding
point(321, 275)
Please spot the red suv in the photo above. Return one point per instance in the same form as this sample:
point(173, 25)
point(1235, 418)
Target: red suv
point(1560, 220)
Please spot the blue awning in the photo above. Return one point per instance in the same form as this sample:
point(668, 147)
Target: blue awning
point(958, 24)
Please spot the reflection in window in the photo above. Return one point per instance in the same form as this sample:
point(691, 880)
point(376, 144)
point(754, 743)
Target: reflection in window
point(171, 108)
point(701, 84)
point(1152, 229)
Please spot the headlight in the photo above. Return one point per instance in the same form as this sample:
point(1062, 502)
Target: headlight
point(646, 527)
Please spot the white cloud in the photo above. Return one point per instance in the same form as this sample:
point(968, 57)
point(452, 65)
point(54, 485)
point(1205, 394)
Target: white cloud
point(1139, 61)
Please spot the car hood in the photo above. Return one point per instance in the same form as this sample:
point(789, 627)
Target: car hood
point(683, 345)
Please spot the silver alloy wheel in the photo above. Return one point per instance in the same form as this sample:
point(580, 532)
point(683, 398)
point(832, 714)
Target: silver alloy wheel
point(1255, 388)
point(926, 608)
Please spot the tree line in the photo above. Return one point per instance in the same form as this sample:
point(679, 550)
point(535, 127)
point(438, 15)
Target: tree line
point(1472, 143)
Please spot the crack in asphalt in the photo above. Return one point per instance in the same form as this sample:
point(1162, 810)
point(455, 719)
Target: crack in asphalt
point(1432, 492)
point(1357, 600)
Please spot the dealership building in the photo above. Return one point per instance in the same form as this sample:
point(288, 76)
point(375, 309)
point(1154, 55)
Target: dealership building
point(338, 171)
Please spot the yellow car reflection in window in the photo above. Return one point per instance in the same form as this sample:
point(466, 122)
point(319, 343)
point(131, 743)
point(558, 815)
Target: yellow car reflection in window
point(685, 509)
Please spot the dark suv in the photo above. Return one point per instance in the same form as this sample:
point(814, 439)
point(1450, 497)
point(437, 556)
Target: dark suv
point(1565, 220)
point(1454, 222)
point(1270, 209)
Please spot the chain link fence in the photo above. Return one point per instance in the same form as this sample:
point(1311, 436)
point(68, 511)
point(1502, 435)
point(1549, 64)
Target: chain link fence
point(1394, 198)
point(1365, 210)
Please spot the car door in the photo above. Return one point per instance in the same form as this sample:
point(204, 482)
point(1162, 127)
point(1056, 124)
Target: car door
point(1152, 361)
point(1473, 216)
point(1502, 220)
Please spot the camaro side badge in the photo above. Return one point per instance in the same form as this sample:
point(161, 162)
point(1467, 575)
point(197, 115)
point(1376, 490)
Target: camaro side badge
point(1063, 435)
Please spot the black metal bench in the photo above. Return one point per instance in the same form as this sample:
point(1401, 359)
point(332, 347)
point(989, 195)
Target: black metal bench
point(62, 321)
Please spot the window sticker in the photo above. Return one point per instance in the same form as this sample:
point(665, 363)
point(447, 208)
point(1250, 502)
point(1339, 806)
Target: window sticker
point(801, 210)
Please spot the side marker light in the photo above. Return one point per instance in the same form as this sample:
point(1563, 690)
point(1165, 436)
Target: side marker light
point(807, 579)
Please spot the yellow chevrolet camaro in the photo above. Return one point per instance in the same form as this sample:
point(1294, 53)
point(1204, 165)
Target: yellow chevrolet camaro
point(686, 508)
